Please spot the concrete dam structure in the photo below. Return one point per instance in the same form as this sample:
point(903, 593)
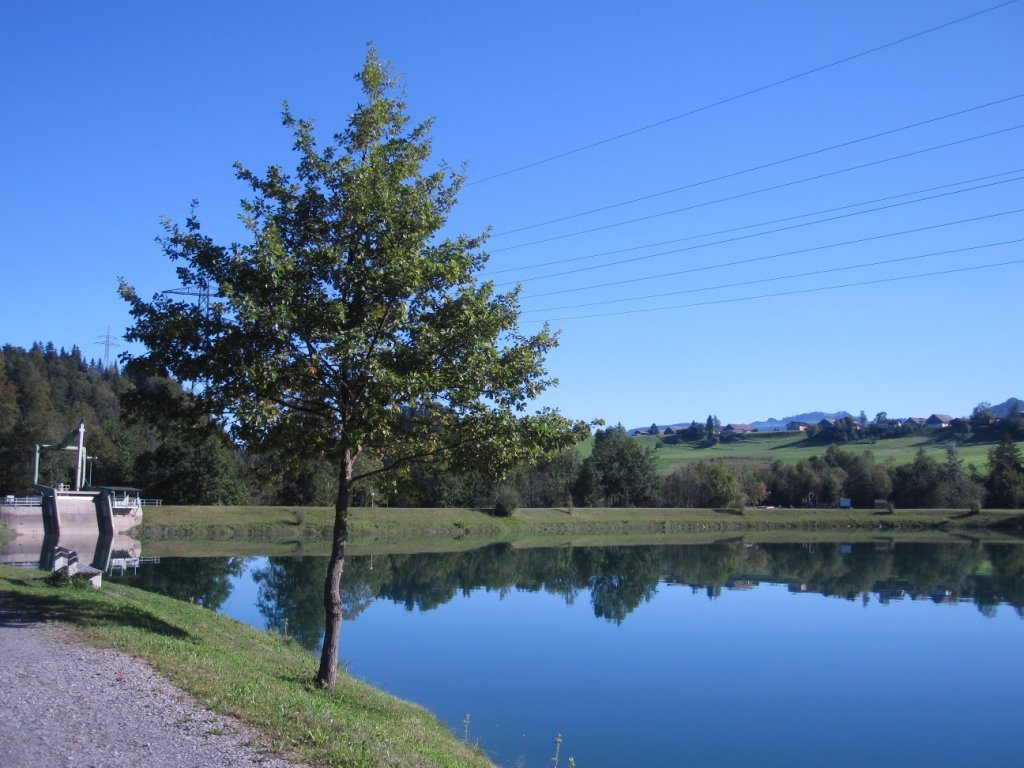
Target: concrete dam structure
point(79, 516)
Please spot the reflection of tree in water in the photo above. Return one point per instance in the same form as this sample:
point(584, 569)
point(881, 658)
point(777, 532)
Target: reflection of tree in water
point(624, 579)
point(620, 578)
point(927, 567)
point(291, 596)
point(829, 568)
point(203, 580)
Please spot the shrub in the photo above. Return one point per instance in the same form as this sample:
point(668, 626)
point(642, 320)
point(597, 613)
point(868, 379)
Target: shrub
point(505, 502)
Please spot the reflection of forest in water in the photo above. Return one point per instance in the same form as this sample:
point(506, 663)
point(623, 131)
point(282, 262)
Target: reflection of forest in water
point(617, 579)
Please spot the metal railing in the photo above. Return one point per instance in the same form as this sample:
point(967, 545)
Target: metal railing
point(151, 502)
point(23, 501)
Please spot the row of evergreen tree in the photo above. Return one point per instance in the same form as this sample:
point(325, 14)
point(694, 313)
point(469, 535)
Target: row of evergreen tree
point(44, 392)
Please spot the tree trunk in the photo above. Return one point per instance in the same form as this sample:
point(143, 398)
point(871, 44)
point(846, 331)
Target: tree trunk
point(328, 672)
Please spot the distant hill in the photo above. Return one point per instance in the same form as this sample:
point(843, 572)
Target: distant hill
point(1004, 409)
point(771, 425)
point(776, 425)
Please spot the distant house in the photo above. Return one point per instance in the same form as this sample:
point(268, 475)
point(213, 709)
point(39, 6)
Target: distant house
point(915, 423)
point(797, 426)
point(736, 429)
point(825, 424)
point(938, 421)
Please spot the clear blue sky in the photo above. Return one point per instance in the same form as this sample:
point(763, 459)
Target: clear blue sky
point(119, 113)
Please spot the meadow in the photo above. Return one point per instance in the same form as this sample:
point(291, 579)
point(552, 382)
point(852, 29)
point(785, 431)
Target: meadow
point(791, 447)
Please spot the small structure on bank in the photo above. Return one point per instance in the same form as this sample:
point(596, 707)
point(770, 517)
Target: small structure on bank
point(77, 518)
point(65, 563)
point(81, 506)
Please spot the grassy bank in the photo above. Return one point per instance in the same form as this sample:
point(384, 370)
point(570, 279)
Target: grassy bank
point(309, 528)
point(258, 677)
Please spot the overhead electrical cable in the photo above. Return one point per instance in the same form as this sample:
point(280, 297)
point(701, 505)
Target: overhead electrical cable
point(754, 259)
point(775, 278)
point(771, 188)
point(744, 94)
point(554, 262)
point(698, 246)
point(762, 166)
point(818, 289)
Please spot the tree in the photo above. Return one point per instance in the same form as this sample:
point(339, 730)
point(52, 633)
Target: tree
point(1005, 483)
point(982, 414)
point(344, 326)
point(712, 427)
point(192, 471)
point(626, 468)
point(956, 489)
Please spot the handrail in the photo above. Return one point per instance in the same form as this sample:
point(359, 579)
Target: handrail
point(22, 501)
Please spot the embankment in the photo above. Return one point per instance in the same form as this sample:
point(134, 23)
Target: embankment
point(310, 527)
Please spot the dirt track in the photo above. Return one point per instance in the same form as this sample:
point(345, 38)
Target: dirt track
point(64, 703)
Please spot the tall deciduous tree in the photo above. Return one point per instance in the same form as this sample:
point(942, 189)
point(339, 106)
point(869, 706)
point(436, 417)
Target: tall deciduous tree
point(346, 326)
point(1005, 483)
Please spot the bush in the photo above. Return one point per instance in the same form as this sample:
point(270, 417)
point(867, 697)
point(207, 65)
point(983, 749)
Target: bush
point(505, 502)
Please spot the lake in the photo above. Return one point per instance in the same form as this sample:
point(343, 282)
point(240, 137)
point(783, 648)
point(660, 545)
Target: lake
point(822, 654)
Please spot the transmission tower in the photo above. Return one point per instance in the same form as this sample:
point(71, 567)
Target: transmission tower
point(107, 341)
point(202, 294)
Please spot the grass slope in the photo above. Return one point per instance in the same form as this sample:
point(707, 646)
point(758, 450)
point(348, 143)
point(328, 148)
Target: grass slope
point(790, 447)
point(255, 676)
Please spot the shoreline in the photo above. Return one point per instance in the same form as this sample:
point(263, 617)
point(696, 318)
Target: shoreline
point(308, 526)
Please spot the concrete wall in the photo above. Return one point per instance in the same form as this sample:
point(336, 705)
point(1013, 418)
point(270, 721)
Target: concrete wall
point(70, 514)
point(22, 520)
point(77, 513)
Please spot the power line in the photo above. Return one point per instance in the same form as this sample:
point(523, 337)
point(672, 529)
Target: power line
point(818, 289)
point(646, 257)
point(760, 190)
point(660, 243)
point(761, 167)
point(744, 94)
point(777, 255)
point(776, 278)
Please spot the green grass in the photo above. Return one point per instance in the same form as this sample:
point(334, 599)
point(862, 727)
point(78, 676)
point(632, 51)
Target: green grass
point(255, 676)
point(790, 447)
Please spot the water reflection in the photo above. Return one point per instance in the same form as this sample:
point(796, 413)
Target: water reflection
point(663, 684)
point(616, 579)
point(203, 580)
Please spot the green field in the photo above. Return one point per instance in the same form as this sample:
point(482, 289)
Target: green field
point(790, 447)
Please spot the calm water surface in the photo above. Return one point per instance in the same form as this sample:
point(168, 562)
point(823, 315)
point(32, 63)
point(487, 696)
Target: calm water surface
point(724, 655)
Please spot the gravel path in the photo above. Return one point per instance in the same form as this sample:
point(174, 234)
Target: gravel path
point(66, 704)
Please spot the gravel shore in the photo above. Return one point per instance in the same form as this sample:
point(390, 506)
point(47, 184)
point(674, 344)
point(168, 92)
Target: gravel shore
point(69, 704)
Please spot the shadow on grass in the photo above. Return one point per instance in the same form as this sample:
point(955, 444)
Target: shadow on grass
point(17, 610)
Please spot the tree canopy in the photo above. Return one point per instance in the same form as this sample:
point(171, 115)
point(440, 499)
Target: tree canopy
point(345, 325)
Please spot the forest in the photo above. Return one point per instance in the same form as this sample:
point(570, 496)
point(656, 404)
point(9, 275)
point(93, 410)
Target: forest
point(45, 392)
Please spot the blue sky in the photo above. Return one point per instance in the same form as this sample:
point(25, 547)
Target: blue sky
point(120, 113)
